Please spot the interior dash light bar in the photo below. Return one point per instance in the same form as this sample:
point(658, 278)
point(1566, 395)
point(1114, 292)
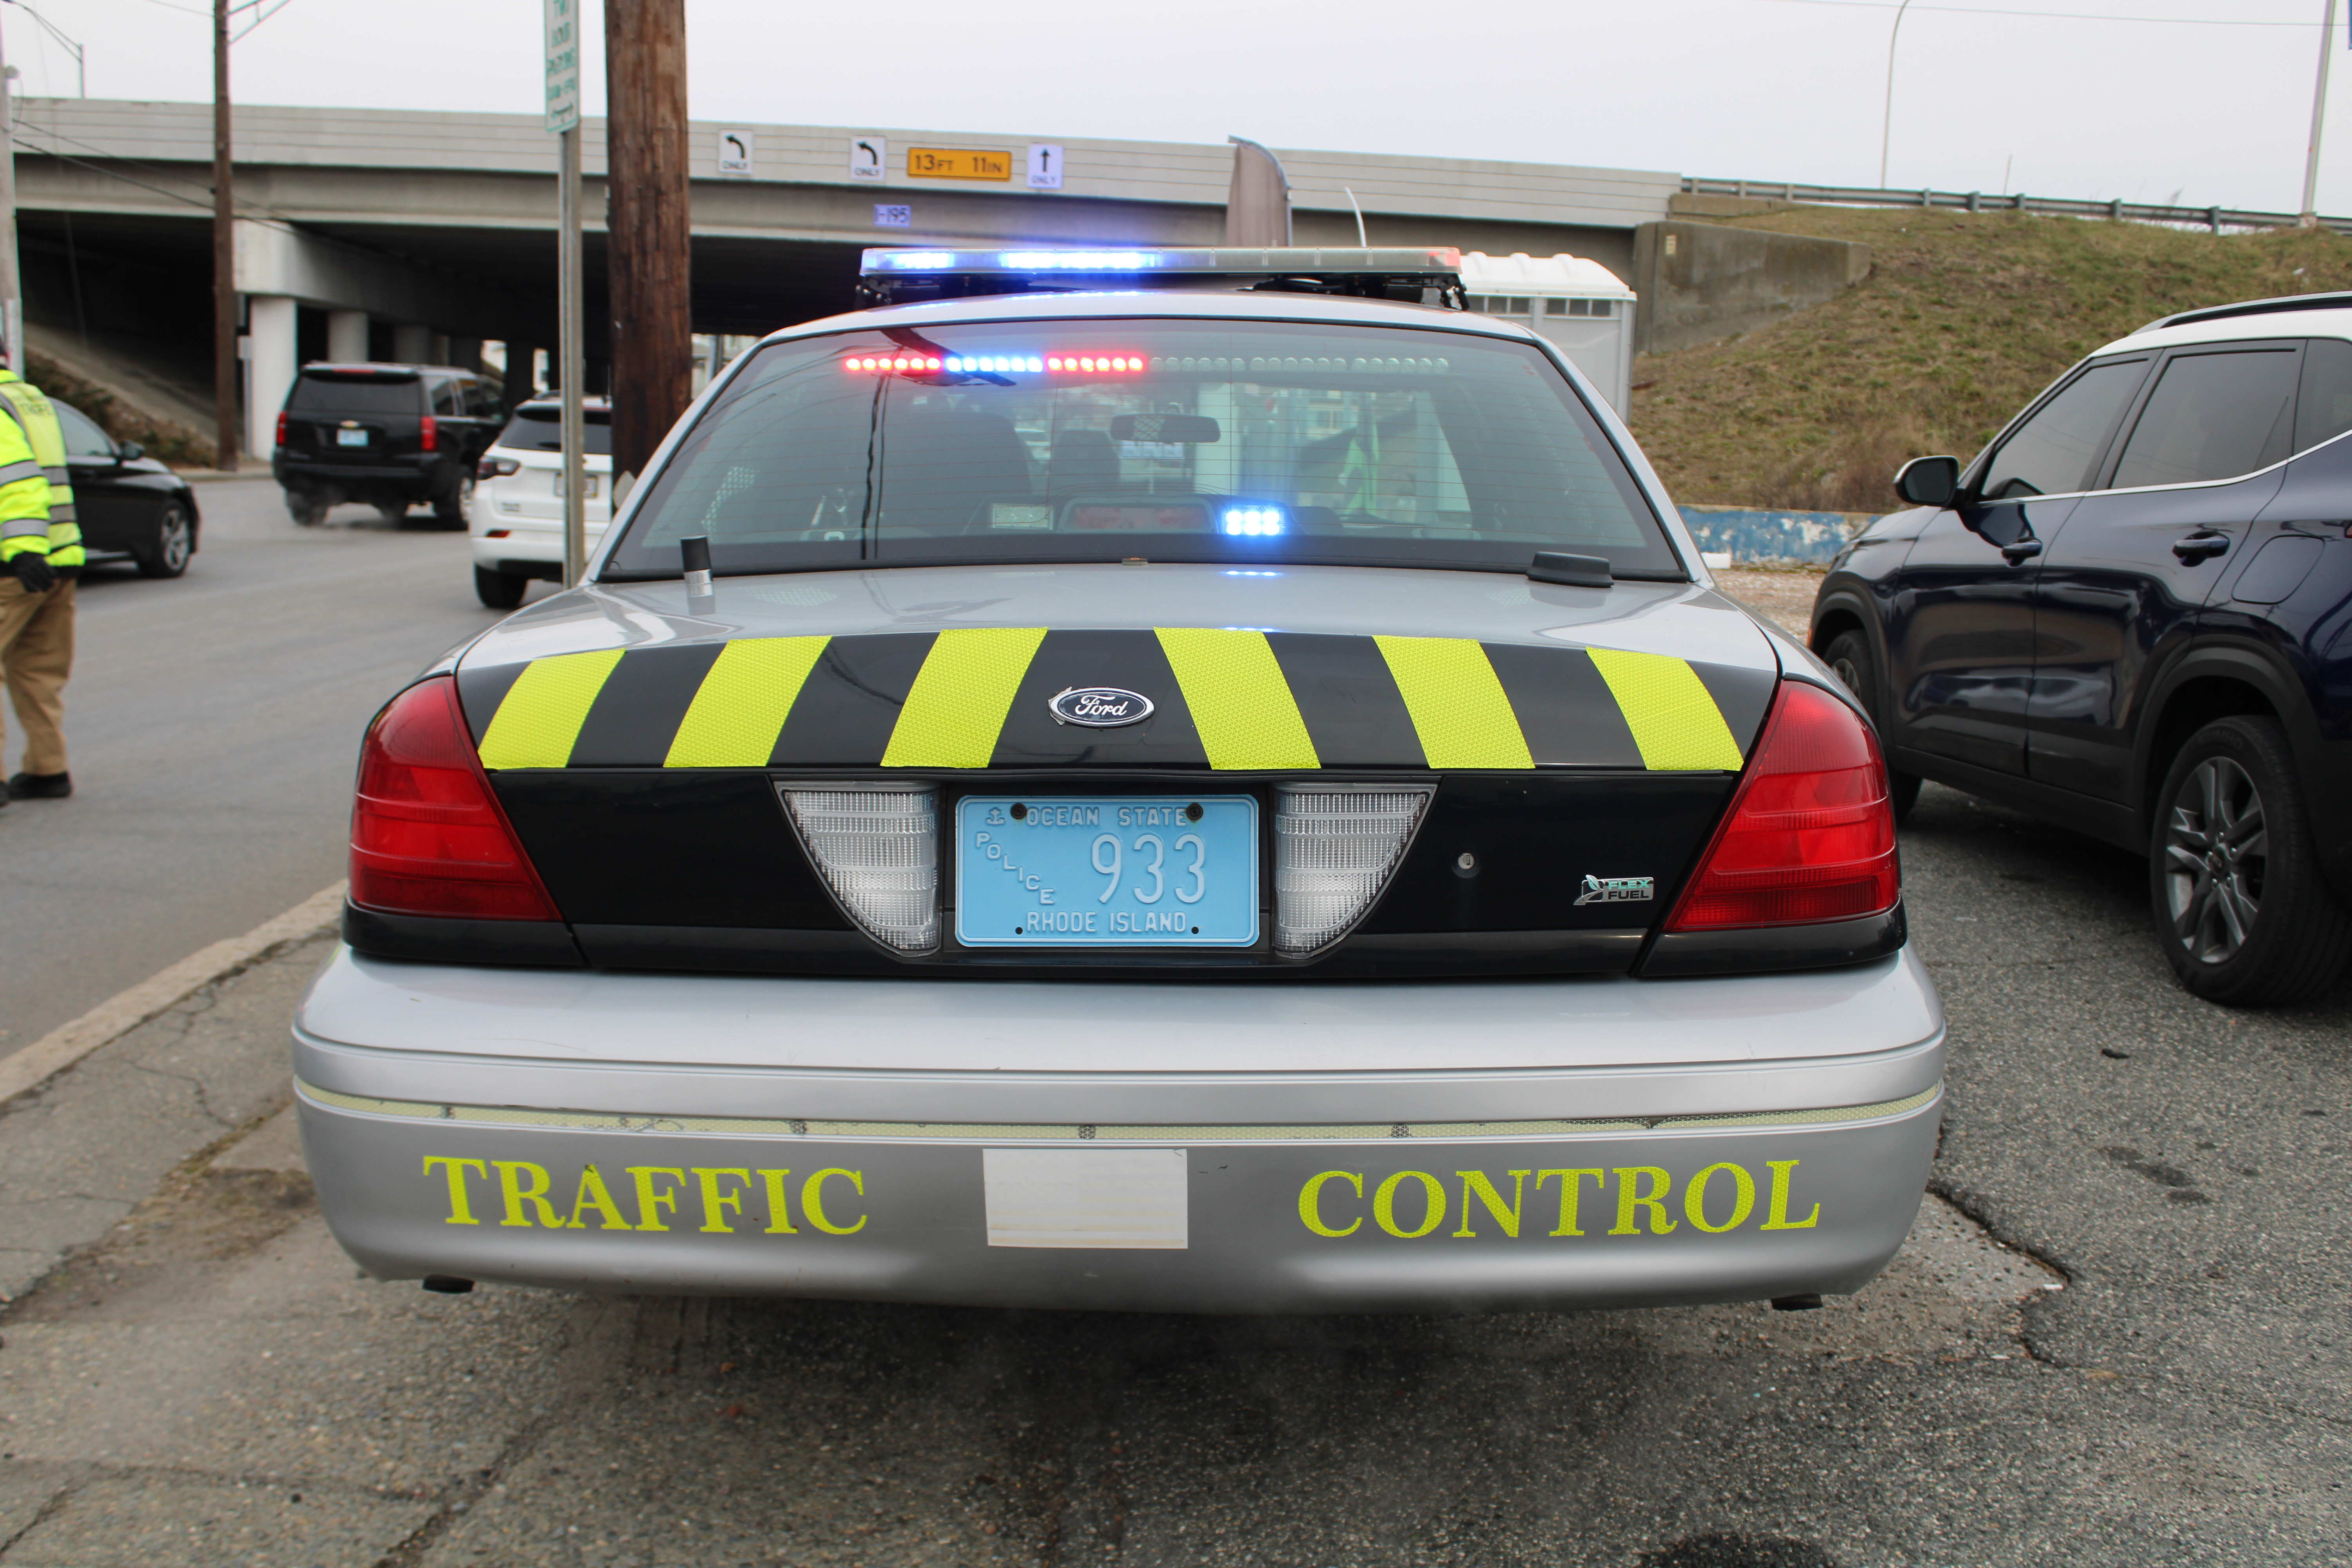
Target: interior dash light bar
point(991, 364)
point(1256, 521)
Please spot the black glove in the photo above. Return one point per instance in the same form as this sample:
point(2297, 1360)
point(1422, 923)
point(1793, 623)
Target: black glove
point(34, 571)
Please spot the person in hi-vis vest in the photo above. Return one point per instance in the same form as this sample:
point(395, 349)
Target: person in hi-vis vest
point(40, 555)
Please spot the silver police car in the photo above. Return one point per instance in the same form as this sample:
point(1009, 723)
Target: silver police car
point(1201, 781)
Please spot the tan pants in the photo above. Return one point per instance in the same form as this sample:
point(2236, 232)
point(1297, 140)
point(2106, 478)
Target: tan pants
point(36, 641)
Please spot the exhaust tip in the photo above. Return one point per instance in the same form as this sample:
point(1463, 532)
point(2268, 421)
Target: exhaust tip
point(1780, 1303)
point(450, 1284)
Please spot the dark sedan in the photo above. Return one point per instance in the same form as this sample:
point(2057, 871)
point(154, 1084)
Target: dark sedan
point(132, 507)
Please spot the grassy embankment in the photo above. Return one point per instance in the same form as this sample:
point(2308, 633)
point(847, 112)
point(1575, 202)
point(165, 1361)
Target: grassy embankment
point(1964, 317)
point(172, 443)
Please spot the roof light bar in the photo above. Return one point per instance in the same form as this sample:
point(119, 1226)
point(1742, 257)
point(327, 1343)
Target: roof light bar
point(889, 275)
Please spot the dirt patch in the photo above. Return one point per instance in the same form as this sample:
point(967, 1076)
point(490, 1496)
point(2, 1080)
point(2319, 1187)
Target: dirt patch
point(1784, 596)
point(201, 1215)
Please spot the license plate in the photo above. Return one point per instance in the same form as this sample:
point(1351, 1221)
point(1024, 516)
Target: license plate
point(1172, 871)
point(587, 485)
point(350, 438)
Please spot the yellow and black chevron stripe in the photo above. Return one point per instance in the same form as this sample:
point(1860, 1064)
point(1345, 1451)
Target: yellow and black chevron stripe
point(1226, 699)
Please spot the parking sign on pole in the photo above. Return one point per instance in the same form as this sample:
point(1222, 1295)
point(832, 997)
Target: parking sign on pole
point(572, 359)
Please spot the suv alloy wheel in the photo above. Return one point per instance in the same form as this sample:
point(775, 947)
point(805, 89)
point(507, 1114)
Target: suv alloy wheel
point(2244, 913)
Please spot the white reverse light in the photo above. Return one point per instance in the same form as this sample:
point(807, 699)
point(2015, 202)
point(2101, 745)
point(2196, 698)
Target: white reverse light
point(878, 849)
point(1334, 851)
point(1253, 522)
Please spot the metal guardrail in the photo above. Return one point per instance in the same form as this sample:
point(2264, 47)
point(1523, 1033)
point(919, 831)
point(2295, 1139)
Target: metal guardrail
point(2215, 218)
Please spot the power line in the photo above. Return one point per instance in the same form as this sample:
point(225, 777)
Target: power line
point(2050, 16)
point(250, 4)
point(81, 65)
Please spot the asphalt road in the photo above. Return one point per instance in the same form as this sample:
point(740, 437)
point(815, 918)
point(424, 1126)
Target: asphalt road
point(211, 1383)
point(213, 722)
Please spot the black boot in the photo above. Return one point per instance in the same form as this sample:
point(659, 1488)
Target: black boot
point(40, 786)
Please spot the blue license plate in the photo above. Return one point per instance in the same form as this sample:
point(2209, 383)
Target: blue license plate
point(350, 438)
point(1171, 870)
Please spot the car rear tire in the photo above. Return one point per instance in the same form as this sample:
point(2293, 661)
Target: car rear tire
point(393, 511)
point(1851, 659)
point(174, 541)
point(307, 507)
point(2245, 914)
point(500, 590)
point(450, 510)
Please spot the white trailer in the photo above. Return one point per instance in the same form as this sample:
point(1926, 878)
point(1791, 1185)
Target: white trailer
point(1581, 306)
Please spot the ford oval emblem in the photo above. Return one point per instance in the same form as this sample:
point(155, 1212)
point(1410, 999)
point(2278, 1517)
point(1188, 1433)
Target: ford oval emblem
point(1101, 707)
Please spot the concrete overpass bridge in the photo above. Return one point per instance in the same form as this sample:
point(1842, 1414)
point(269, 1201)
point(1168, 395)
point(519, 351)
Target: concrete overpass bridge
point(418, 235)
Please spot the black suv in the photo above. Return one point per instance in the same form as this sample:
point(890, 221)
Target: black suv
point(387, 436)
point(2132, 615)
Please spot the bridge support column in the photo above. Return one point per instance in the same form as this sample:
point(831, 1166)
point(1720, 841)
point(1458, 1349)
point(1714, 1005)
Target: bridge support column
point(412, 344)
point(269, 371)
point(522, 372)
point(347, 335)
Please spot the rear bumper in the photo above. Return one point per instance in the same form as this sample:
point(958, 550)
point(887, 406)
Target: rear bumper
point(524, 546)
point(420, 478)
point(500, 1137)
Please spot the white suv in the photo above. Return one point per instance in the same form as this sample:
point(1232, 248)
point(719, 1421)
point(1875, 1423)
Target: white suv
point(516, 516)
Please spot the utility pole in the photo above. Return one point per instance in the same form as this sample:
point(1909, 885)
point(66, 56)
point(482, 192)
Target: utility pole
point(2318, 113)
point(228, 439)
point(12, 286)
point(571, 357)
point(648, 225)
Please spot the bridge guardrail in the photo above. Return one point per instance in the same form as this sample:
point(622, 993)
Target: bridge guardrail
point(2216, 218)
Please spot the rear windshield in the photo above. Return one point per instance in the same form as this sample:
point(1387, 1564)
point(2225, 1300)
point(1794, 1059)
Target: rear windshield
point(541, 430)
point(1106, 440)
point(356, 395)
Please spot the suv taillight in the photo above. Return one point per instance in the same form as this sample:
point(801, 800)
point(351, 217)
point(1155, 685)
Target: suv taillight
point(281, 428)
point(428, 835)
point(1809, 836)
point(495, 467)
point(429, 435)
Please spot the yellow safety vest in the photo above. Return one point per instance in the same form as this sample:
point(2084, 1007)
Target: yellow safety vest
point(39, 421)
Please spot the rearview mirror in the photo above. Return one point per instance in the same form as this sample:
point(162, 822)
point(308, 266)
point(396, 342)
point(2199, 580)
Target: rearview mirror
point(129, 452)
point(1928, 481)
point(1167, 429)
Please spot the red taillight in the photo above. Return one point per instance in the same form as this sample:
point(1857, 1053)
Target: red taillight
point(281, 426)
point(428, 835)
point(1809, 836)
point(429, 435)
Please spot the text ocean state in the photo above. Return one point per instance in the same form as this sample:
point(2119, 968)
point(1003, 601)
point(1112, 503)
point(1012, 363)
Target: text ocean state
point(1107, 871)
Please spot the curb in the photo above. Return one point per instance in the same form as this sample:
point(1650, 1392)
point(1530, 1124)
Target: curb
point(119, 1015)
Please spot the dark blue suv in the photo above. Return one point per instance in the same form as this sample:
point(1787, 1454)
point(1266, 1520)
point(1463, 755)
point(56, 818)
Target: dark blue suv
point(2132, 615)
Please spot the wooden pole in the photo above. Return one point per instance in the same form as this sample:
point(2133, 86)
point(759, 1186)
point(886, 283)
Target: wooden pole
point(648, 224)
point(228, 439)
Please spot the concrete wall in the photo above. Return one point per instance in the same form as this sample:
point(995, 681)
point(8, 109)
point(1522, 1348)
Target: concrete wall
point(1700, 281)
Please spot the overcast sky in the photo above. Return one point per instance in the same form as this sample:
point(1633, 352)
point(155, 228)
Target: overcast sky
point(2109, 99)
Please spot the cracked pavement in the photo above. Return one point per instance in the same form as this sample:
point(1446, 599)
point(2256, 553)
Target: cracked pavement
point(208, 1381)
